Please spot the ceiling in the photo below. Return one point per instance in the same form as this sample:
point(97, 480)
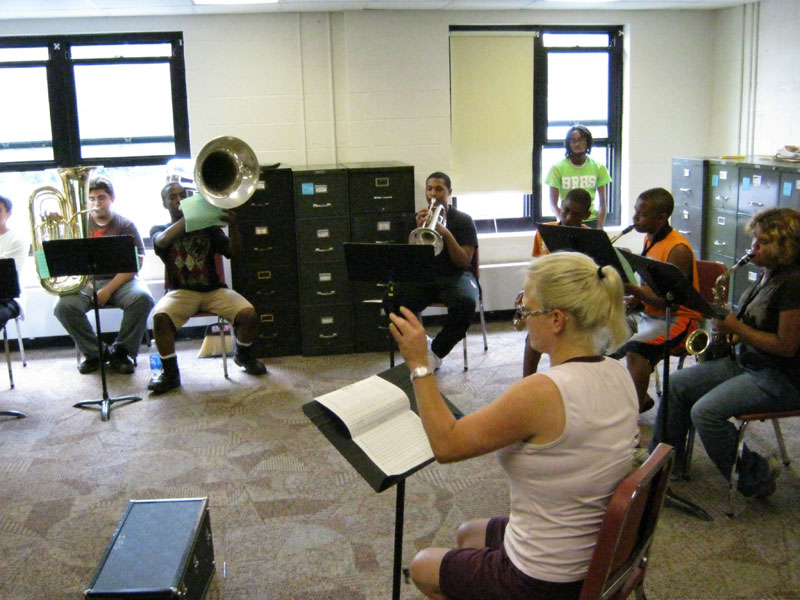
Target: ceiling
point(46, 9)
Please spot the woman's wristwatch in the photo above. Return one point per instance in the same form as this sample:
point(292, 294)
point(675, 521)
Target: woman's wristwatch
point(422, 371)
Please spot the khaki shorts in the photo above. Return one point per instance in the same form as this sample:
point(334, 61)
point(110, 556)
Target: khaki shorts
point(181, 305)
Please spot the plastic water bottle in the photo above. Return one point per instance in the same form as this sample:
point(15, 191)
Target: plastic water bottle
point(155, 362)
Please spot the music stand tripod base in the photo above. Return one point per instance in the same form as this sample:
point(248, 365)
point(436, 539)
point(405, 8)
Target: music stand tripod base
point(12, 413)
point(104, 405)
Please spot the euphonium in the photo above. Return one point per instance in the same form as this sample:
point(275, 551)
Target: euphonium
point(63, 222)
point(715, 345)
point(226, 172)
point(427, 234)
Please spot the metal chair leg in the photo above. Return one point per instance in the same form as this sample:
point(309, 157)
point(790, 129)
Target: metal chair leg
point(221, 327)
point(19, 342)
point(8, 358)
point(779, 434)
point(734, 478)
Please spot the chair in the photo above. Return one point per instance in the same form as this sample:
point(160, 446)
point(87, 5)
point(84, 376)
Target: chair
point(620, 557)
point(8, 352)
point(745, 420)
point(221, 323)
point(474, 267)
point(707, 273)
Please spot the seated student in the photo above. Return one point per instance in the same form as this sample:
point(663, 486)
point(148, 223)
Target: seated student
point(565, 438)
point(574, 210)
point(646, 348)
point(454, 284)
point(123, 290)
point(764, 374)
point(12, 245)
point(189, 258)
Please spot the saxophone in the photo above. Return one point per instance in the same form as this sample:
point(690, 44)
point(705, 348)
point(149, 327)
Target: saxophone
point(708, 346)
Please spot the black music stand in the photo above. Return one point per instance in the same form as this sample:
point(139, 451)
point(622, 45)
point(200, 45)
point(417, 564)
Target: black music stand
point(388, 264)
point(670, 284)
point(94, 256)
point(334, 430)
point(592, 242)
point(9, 288)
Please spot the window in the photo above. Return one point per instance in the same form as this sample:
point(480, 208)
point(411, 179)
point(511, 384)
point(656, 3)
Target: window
point(113, 101)
point(577, 77)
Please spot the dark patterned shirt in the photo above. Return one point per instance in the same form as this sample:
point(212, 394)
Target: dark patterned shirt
point(190, 261)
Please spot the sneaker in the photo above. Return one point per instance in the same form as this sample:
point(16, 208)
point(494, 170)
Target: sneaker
point(646, 404)
point(164, 382)
point(121, 362)
point(251, 366)
point(767, 487)
point(89, 365)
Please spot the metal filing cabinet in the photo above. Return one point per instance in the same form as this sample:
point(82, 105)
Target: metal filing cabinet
point(323, 225)
point(688, 186)
point(722, 195)
point(734, 192)
point(381, 211)
point(267, 273)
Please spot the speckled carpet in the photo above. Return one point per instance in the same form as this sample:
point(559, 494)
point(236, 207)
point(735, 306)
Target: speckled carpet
point(291, 518)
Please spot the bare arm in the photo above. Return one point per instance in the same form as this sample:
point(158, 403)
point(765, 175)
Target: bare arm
point(530, 409)
point(554, 193)
point(233, 232)
point(783, 343)
point(175, 231)
point(681, 257)
point(601, 206)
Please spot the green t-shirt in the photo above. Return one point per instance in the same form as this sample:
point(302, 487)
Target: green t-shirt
point(565, 176)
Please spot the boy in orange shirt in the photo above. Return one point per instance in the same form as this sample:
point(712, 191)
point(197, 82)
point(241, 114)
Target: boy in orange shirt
point(575, 208)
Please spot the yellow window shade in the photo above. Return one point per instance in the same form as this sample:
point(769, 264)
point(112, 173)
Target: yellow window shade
point(491, 87)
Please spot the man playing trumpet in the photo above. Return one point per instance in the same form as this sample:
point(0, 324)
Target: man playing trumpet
point(454, 284)
point(121, 290)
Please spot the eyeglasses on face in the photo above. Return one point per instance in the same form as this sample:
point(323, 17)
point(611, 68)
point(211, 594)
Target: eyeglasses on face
point(521, 313)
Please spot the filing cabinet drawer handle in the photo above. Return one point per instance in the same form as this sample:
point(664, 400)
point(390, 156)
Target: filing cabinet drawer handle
point(271, 336)
point(263, 248)
point(331, 293)
point(724, 198)
point(329, 249)
point(718, 243)
point(326, 205)
point(751, 203)
point(383, 197)
point(686, 190)
point(684, 231)
point(328, 337)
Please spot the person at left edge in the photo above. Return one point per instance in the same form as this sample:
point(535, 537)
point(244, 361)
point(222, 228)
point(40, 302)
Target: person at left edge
point(121, 290)
point(194, 285)
point(12, 245)
point(454, 284)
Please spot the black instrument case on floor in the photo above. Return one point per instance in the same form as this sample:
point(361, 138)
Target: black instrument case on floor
point(160, 549)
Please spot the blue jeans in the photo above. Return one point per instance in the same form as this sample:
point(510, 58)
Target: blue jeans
point(708, 395)
point(132, 297)
point(459, 293)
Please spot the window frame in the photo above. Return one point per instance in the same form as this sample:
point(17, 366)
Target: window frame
point(532, 213)
point(62, 95)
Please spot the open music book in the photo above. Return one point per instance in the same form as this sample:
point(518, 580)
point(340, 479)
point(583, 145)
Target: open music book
point(378, 416)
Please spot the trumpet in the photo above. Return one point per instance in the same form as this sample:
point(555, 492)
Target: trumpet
point(628, 229)
point(712, 345)
point(427, 234)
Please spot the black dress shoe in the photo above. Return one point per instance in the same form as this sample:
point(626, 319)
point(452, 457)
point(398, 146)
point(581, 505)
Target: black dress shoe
point(164, 382)
point(89, 365)
point(250, 365)
point(121, 362)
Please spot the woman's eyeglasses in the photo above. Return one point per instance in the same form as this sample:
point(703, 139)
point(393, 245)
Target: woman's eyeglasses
point(521, 313)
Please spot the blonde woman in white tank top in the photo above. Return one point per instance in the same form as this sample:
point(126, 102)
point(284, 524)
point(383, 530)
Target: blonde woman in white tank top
point(565, 438)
